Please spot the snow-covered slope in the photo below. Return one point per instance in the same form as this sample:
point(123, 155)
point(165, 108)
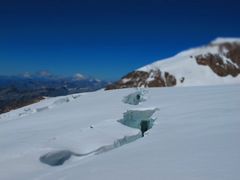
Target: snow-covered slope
point(217, 63)
point(221, 40)
point(195, 135)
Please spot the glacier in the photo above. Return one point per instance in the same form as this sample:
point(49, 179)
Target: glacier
point(195, 135)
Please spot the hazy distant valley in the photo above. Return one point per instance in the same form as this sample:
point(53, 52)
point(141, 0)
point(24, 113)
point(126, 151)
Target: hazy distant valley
point(21, 90)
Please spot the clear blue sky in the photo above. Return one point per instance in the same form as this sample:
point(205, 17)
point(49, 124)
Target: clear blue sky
point(106, 38)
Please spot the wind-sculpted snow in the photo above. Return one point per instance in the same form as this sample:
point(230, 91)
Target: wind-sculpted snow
point(26, 112)
point(56, 158)
point(56, 103)
point(41, 109)
point(61, 101)
point(76, 96)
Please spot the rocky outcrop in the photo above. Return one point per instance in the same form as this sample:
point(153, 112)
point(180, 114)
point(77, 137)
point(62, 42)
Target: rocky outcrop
point(233, 51)
point(224, 63)
point(154, 78)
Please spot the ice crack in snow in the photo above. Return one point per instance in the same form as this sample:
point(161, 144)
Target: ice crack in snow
point(140, 118)
point(135, 98)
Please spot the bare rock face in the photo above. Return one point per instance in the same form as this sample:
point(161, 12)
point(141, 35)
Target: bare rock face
point(233, 51)
point(226, 62)
point(154, 78)
point(170, 79)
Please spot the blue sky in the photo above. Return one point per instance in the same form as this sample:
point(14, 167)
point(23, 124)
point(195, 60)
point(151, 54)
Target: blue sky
point(106, 38)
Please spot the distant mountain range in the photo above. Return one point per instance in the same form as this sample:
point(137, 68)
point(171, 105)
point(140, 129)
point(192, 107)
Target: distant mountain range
point(213, 64)
point(24, 89)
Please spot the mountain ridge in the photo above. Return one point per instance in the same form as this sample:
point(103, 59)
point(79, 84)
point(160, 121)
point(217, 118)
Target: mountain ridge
point(212, 64)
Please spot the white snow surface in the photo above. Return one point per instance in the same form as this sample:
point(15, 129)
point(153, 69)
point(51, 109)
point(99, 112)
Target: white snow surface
point(195, 136)
point(220, 40)
point(184, 65)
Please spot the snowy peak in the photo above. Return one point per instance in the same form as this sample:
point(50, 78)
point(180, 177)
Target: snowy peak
point(79, 76)
point(216, 63)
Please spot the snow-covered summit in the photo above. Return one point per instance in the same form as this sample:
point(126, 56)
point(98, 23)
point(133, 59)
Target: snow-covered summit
point(221, 40)
point(213, 64)
point(79, 76)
